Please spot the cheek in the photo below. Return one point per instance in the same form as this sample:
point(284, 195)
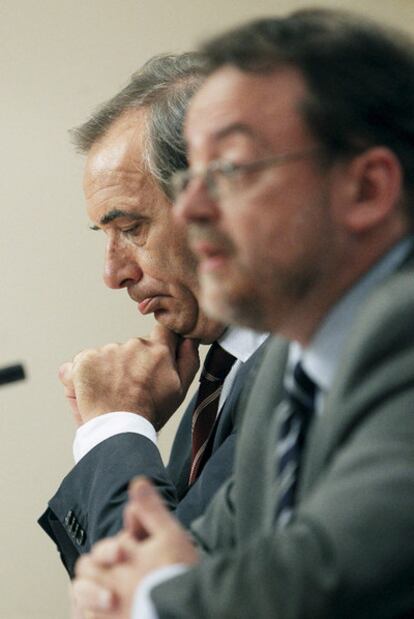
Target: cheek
point(166, 238)
point(178, 259)
point(255, 239)
point(152, 262)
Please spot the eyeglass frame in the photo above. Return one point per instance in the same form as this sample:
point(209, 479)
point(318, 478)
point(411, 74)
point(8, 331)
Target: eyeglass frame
point(181, 179)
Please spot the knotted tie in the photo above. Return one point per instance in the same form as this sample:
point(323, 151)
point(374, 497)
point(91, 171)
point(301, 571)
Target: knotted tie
point(297, 411)
point(216, 367)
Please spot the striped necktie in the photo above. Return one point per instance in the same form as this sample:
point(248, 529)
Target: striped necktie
point(296, 412)
point(216, 367)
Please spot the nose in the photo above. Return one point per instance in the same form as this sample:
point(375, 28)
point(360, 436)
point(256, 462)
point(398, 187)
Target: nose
point(121, 268)
point(195, 205)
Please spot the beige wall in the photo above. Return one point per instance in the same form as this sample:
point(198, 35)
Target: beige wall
point(58, 59)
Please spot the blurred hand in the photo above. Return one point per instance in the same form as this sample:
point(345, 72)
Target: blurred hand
point(107, 578)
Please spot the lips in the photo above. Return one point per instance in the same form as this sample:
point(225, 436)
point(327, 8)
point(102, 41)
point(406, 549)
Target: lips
point(210, 257)
point(149, 305)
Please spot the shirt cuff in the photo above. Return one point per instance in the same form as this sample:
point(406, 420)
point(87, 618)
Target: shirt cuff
point(143, 607)
point(105, 426)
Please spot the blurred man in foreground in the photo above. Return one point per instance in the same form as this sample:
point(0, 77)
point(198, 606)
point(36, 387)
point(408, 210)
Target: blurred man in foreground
point(122, 395)
point(299, 200)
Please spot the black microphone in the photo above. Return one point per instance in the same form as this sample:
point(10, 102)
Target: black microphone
point(11, 374)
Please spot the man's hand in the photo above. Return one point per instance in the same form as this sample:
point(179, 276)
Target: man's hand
point(148, 376)
point(107, 578)
point(65, 377)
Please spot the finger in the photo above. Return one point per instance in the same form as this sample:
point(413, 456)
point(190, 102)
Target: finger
point(88, 596)
point(85, 567)
point(164, 336)
point(75, 611)
point(187, 361)
point(150, 510)
point(109, 552)
point(65, 375)
point(133, 524)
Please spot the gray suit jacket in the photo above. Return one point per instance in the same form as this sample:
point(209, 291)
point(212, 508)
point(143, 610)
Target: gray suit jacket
point(349, 551)
point(89, 503)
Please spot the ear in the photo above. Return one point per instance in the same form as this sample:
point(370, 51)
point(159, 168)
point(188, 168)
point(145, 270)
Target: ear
point(371, 187)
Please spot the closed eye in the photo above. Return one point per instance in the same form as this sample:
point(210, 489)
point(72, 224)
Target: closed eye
point(133, 230)
point(137, 232)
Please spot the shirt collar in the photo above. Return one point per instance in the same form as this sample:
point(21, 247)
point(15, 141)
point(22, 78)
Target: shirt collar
point(241, 343)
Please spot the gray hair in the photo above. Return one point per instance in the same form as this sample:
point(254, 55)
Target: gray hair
point(164, 86)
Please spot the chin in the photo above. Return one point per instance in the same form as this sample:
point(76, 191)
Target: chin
point(167, 320)
point(230, 305)
point(175, 323)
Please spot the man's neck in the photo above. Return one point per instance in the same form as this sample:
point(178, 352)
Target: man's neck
point(308, 316)
point(321, 356)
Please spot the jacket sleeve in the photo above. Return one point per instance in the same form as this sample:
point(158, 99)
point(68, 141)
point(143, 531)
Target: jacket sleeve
point(89, 503)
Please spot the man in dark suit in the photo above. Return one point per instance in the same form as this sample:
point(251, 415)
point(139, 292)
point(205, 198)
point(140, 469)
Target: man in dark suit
point(133, 145)
point(299, 199)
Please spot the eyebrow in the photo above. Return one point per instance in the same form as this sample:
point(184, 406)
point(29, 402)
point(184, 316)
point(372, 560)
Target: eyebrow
point(236, 127)
point(116, 214)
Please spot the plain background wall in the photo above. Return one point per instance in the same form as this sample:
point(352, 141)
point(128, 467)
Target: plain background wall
point(58, 60)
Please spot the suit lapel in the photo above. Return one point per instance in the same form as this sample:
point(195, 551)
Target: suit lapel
point(262, 420)
point(226, 422)
point(352, 391)
point(180, 459)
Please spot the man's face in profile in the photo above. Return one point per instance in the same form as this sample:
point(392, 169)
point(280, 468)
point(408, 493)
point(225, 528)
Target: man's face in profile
point(146, 249)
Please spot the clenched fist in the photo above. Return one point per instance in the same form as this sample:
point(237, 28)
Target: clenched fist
point(149, 376)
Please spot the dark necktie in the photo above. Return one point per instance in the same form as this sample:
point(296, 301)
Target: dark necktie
point(216, 367)
point(297, 411)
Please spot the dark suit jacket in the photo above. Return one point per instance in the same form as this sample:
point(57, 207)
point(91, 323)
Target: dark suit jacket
point(89, 503)
point(349, 550)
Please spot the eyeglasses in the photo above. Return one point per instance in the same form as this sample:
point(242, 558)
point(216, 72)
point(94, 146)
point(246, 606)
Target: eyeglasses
point(221, 177)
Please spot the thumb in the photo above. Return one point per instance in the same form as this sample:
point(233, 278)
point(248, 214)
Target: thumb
point(132, 522)
point(187, 361)
point(147, 510)
point(165, 336)
point(65, 377)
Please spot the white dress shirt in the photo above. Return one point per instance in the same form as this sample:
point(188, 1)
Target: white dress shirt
point(320, 360)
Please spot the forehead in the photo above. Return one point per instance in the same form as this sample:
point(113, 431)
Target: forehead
point(259, 107)
point(119, 154)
